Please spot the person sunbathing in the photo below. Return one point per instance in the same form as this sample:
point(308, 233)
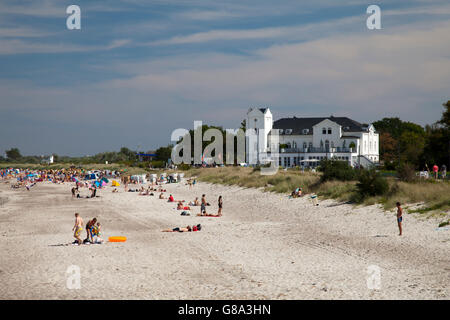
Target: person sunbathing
point(161, 196)
point(186, 229)
point(195, 202)
point(180, 205)
point(208, 215)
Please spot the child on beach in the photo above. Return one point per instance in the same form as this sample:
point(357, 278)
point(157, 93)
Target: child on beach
point(98, 232)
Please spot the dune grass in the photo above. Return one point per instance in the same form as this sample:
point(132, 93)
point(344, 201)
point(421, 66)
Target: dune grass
point(434, 195)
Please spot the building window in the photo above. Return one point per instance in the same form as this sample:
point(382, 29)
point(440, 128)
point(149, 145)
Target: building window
point(327, 145)
point(324, 131)
point(310, 145)
point(304, 145)
point(329, 130)
point(287, 162)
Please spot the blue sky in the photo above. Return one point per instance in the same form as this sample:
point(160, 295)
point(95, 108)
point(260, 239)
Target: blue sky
point(139, 69)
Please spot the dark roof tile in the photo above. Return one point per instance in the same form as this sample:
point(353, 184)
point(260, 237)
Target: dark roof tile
point(299, 124)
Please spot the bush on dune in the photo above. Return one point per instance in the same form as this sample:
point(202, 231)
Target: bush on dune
point(336, 170)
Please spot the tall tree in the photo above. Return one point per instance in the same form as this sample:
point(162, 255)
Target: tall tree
point(13, 154)
point(388, 148)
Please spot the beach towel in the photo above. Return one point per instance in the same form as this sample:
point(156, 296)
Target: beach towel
point(115, 184)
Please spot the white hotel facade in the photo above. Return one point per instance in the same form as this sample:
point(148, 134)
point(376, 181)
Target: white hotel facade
point(305, 141)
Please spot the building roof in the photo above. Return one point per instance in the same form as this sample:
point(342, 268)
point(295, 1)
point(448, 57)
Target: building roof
point(299, 124)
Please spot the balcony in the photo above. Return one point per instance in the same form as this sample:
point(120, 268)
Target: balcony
point(317, 150)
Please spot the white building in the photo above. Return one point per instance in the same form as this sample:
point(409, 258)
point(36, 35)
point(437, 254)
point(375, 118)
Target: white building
point(306, 141)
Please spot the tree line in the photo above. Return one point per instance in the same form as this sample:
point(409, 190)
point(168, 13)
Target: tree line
point(401, 142)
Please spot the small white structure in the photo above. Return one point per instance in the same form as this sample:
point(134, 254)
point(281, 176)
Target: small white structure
point(306, 141)
point(48, 160)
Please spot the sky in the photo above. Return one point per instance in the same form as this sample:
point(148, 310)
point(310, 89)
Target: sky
point(138, 69)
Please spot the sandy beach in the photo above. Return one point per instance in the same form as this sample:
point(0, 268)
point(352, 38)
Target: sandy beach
point(266, 246)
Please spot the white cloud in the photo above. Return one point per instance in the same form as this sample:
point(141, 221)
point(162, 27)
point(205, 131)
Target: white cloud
point(16, 46)
point(366, 75)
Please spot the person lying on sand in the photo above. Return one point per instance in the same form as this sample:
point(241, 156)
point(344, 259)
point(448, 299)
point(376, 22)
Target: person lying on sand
point(115, 190)
point(180, 205)
point(208, 215)
point(187, 229)
point(77, 228)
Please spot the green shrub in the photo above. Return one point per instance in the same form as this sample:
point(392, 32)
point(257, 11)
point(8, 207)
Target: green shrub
point(158, 164)
point(406, 172)
point(336, 170)
point(184, 166)
point(370, 184)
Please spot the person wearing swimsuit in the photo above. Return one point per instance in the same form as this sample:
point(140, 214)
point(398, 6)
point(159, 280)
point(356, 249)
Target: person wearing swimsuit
point(399, 217)
point(89, 230)
point(220, 203)
point(77, 228)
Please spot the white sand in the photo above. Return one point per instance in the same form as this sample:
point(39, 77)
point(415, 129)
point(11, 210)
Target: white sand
point(264, 247)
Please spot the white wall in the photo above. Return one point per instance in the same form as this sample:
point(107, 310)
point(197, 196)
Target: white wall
point(333, 138)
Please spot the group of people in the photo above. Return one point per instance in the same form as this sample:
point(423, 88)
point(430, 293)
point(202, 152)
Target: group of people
point(93, 231)
point(76, 192)
point(443, 171)
point(296, 193)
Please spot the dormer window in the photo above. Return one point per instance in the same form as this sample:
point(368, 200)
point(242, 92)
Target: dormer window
point(305, 131)
point(288, 131)
point(281, 131)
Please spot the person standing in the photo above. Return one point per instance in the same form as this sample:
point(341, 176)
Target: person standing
point(444, 171)
point(203, 205)
point(435, 171)
point(220, 203)
point(77, 228)
point(399, 217)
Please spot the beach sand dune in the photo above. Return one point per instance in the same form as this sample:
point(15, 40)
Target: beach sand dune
point(266, 246)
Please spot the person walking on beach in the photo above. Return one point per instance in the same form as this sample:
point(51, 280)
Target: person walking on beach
point(203, 205)
point(399, 218)
point(77, 228)
point(220, 203)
